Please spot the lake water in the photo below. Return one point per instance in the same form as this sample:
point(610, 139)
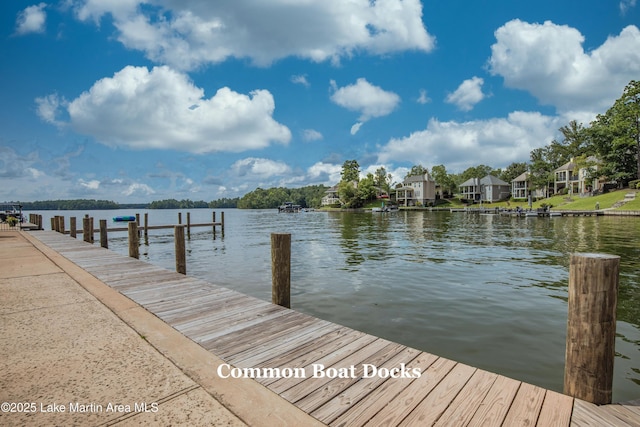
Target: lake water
point(486, 290)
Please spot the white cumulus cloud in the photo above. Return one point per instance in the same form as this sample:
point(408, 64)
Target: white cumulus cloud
point(259, 168)
point(423, 98)
point(196, 32)
point(163, 109)
point(32, 19)
point(363, 97)
point(301, 80)
point(468, 94)
point(311, 135)
point(325, 173)
point(459, 145)
point(550, 62)
point(625, 5)
point(138, 188)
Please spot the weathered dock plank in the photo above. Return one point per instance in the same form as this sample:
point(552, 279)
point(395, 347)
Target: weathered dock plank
point(360, 413)
point(342, 402)
point(556, 409)
point(468, 400)
point(435, 403)
point(250, 333)
point(394, 412)
point(334, 387)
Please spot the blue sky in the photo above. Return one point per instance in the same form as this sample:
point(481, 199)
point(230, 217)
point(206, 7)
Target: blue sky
point(134, 101)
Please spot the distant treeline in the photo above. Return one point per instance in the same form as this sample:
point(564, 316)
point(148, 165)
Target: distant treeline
point(90, 204)
point(70, 205)
point(307, 197)
point(190, 204)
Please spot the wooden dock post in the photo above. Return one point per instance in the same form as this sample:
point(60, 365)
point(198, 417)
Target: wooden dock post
point(103, 234)
point(53, 224)
point(146, 226)
point(281, 269)
point(179, 217)
point(181, 259)
point(73, 227)
point(61, 224)
point(134, 246)
point(591, 327)
point(222, 223)
point(214, 224)
point(86, 224)
point(189, 225)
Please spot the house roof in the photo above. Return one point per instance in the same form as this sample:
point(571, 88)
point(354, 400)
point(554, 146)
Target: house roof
point(492, 180)
point(522, 177)
point(569, 166)
point(418, 178)
point(487, 180)
point(470, 182)
point(333, 189)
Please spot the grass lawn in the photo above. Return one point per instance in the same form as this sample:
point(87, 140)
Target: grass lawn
point(563, 202)
point(577, 203)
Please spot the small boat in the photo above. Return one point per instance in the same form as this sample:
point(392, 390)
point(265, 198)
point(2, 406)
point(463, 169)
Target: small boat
point(11, 211)
point(289, 207)
point(124, 218)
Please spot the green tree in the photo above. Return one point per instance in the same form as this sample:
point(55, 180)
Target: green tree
point(348, 186)
point(367, 188)
point(615, 137)
point(348, 194)
point(350, 171)
point(382, 179)
point(541, 169)
point(416, 170)
point(479, 171)
point(513, 171)
point(446, 181)
point(575, 141)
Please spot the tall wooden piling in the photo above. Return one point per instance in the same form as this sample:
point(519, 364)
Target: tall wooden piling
point(146, 226)
point(189, 225)
point(281, 269)
point(179, 217)
point(591, 327)
point(86, 226)
point(103, 234)
point(181, 259)
point(60, 223)
point(214, 224)
point(222, 223)
point(53, 224)
point(72, 227)
point(134, 245)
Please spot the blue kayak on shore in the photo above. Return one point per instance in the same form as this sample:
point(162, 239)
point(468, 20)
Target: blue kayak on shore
point(124, 218)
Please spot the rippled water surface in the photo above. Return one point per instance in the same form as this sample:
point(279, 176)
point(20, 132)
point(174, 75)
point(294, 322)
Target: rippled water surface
point(486, 290)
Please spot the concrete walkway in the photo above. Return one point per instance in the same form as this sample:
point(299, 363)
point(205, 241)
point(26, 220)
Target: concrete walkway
point(73, 351)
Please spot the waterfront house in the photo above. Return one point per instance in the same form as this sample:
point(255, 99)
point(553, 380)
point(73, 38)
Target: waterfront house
point(487, 189)
point(331, 196)
point(570, 179)
point(520, 186)
point(417, 190)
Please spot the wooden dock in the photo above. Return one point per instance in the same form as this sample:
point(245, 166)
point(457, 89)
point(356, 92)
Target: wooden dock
point(258, 338)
